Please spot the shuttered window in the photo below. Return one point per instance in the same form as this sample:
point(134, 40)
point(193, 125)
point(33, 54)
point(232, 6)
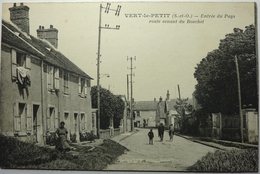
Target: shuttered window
point(50, 77)
point(56, 76)
point(19, 60)
point(85, 88)
point(14, 64)
point(66, 83)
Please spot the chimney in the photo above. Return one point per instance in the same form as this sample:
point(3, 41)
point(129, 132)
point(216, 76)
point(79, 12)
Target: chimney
point(50, 34)
point(19, 15)
point(168, 95)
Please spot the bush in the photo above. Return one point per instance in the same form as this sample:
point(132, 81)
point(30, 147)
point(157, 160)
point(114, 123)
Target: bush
point(245, 160)
point(15, 153)
point(87, 136)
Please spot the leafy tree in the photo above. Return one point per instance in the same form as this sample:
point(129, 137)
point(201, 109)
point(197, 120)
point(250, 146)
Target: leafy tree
point(216, 90)
point(110, 106)
point(182, 106)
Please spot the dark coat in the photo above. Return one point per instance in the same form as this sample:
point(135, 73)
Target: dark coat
point(161, 130)
point(150, 135)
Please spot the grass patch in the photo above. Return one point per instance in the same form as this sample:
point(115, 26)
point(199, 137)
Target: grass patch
point(18, 154)
point(239, 160)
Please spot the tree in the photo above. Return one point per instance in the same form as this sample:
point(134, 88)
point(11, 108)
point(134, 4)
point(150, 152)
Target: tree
point(216, 90)
point(181, 107)
point(110, 106)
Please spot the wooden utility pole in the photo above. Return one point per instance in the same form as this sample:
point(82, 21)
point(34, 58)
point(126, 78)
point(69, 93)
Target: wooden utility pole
point(127, 82)
point(239, 100)
point(131, 98)
point(117, 11)
point(179, 91)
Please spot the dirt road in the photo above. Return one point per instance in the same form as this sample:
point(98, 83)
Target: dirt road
point(161, 156)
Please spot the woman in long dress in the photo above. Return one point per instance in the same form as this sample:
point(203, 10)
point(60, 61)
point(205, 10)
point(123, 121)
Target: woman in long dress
point(61, 133)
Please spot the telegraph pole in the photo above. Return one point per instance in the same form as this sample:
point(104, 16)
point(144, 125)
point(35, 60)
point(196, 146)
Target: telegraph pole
point(131, 98)
point(127, 82)
point(239, 100)
point(117, 11)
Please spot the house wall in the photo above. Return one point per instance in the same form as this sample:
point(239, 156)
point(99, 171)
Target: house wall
point(12, 95)
point(71, 103)
point(147, 115)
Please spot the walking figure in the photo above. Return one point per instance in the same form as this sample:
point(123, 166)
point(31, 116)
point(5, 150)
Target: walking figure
point(151, 135)
point(161, 131)
point(171, 132)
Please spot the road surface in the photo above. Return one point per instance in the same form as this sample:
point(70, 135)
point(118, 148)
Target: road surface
point(161, 156)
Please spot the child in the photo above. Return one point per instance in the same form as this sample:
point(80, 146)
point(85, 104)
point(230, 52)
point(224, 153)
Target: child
point(150, 135)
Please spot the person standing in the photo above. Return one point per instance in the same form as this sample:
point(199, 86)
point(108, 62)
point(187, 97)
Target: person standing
point(151, 135)
point(161, 131)
point(171, 132)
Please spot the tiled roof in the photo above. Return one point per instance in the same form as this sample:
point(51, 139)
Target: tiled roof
point(145, 106)
point(49, 53)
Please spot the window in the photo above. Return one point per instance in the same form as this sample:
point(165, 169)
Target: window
point(88, 83)
point(53, 78)
point(50, 77)
point(22, 117)
point(66, 83)
point(82, 87)
point(19, 60)
point(56, 78)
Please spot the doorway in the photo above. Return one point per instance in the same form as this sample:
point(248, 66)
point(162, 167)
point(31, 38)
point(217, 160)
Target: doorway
point(35, 123)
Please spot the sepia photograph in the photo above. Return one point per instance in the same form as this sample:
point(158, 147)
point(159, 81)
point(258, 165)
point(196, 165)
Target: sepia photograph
point(139, 86)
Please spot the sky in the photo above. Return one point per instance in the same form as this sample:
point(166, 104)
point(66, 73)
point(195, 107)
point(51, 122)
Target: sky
point(166, 53)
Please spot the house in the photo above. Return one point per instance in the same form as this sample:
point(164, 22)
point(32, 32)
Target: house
point(39, 86)
point(145, 110)
point(166, 113)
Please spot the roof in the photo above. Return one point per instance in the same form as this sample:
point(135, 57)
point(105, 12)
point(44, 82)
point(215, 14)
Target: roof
point(145, 106)
point(38, 47)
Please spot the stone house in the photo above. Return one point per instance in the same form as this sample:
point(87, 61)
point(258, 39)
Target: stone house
point(145, 110)
point(39, 86)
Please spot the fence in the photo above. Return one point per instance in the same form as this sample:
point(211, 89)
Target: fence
point(227, 127)
point(105, 133)
point(108, 133)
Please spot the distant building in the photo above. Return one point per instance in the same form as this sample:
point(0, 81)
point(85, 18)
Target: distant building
point(145, 112)
point(39, 86)
point(166, 113)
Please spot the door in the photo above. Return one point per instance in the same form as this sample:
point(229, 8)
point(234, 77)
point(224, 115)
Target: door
point(35, 125)
point(75, 123)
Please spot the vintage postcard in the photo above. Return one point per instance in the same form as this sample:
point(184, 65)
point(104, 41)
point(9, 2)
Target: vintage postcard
point(129, 86)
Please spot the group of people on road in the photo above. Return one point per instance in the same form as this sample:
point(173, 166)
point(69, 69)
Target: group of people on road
point(161, 129)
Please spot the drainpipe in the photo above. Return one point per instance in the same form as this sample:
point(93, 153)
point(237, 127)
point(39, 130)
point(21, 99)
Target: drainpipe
point(42, 101)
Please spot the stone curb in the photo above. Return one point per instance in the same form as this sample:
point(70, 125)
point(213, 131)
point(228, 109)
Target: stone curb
point(231, 143)
point(197, 141)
